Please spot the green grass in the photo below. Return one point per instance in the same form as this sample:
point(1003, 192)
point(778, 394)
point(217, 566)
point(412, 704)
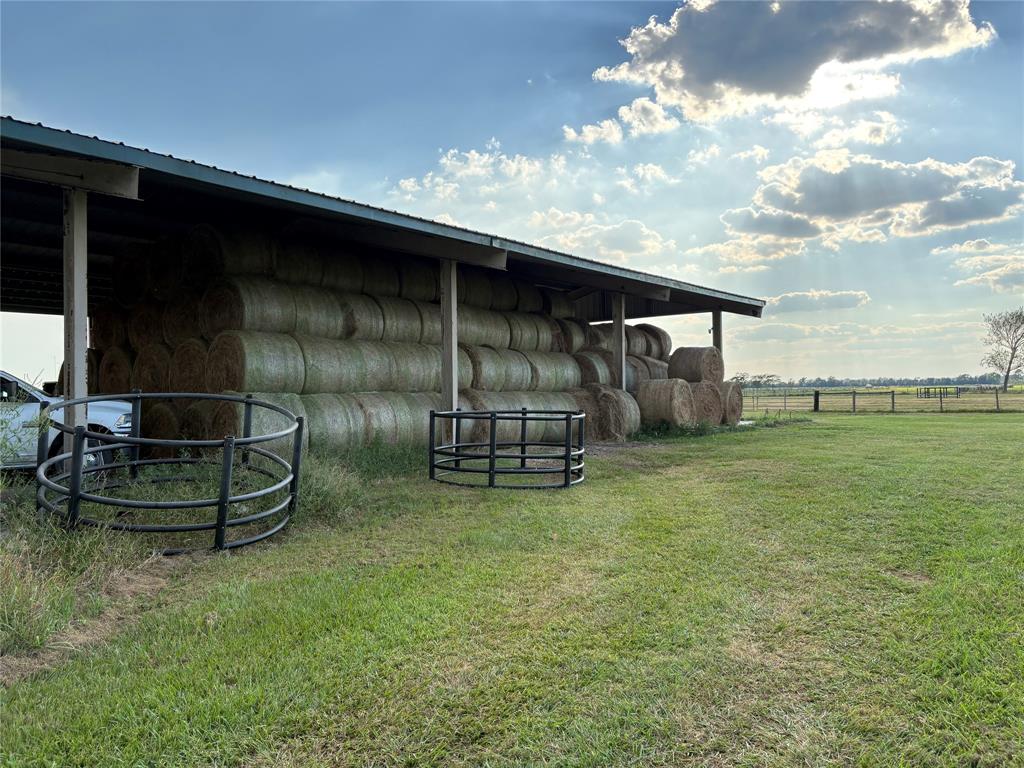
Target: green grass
point(836, 592)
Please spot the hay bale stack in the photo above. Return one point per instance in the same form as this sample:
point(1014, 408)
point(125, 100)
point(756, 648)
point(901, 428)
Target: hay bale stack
point(246, 303)
point(343, 272)
point(335, 422)
point(297, 261)
point(334, 366)
point(417, 368)
point(419, 405)
point(732, 402)
point(250, 361)
point(553, 371)
point(529, 298)
point(380, 276)
point(636, 372)
point(618, 414)
point(188, 366)
point(361, 317)
point(180, 320)
point(557, 304)
point(507, 431)
point(594, 367)
point(418, 280)
point(430, 319)
point(523, 331)
point(209, 252)
point(488, 369)
point(115, 372)
point(696, 364)
point(554, 431)
point(636, 341)
point(481, 328)
point(586, 401)
point(571, 336)
point(160, 422)
point(474, 288)
point(107, 328)
point(382, 421)
point(707, 402)
point(402, 320)
point(152, 369)
point(196, 420)
point(167, 269)
point(658, 341)
point(504, 296)
point(658, 369)
point(318, 312)
point(145, 325)
point(132, 279)
point(600, 336)
point(668, 401)
point(518, 371)
point(229, 419)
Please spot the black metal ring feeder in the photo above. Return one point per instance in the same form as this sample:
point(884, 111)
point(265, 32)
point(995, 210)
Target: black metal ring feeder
point(64, 481)
point(458, 462)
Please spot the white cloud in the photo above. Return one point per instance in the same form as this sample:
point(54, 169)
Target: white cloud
point(749, 250)
point(704, 155)
point(883, 129)
point(999, 266)
point(768, 222)
point(644, 116)
point(553, 218)
point(608, 131)
point(651, 172)
point(622, 242)
point(817, 301)
point(757, 153)
point(717, 60)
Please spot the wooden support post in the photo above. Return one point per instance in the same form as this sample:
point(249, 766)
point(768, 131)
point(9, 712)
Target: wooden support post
point(449, 335)
point(716, 329)
point(76, 312)
point(619, 338)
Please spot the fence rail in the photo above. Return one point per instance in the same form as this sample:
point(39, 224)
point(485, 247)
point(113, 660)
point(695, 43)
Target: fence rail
point(961, 399)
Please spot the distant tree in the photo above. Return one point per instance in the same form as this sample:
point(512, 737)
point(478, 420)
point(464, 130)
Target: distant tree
point(741, 378)
point(1005, 340)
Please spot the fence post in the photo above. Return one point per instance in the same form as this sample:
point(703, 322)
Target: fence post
point(997, 399)
point(293, 504)
point(522, 440)
point(431, 445)
point(247, 427)
point(75, 486)
point(940, 401)
point(133, 451)
point(225, 491)
point(817, 401)
point(892, 396)
point(457, 434)
point(854, 394)
point(568, 450)
point(494, 449)
point(785, 399)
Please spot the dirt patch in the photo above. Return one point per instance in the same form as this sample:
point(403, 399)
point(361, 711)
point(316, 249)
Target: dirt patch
point(123, 597)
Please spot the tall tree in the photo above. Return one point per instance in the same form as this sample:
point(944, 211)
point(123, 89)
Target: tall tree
point(1005, 341)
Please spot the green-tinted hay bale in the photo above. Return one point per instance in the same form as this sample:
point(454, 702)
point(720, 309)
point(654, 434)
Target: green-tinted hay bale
point(380, 276)
point(556, 303)
point(518, 371)
point(658, 341)
point(618, 412)
point(667, 401)
point(594, 367)
point(210, 251)
point(474, 287)
point(159, 422)
point(636, 341)
point(343, 272)
point(107, 328)
point(197, 420)
point(188, 366)
point(145, 325)
point(430, 319)
point(488, 369)
point(336, 366)
point(658, 369)
point(465, 370)
point(152, 369)
point(379, 360)
point(297, 262)
point(402, 320)
point(696, 364)
point(506, 430)
point(335, 422)
point(504, 296)
point(553, 371)
point(181, 320)
point(132, 278)
point(707, 402)
point(318, 312)
point(382, 420)
point(417, 368)
point(732, 402)
point(418, 406)
point(528, 297)
point(600, 336)
point(545, 333)
point(250, 361)
point(554, 431)
point(636, 372)
point(522, 331)
point(482, 328)
point(418, 279)
point(229, 419)
point(361, 317)
point(246, 303)
point(115, 372)
point(571, 337)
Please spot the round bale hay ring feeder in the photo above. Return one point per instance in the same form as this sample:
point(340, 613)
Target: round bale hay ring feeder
point(519, 451)
point(257, 490)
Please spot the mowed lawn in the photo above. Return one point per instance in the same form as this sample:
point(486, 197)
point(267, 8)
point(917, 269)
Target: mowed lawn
point(848, 591)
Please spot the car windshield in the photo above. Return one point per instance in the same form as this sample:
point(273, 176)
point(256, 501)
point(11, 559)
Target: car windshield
point(24, 388)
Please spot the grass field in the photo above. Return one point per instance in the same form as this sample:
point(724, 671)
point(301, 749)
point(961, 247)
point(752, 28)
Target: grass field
point(843, 591)
point(881, 401)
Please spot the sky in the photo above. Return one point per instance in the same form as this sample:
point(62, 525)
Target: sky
point(855, 164)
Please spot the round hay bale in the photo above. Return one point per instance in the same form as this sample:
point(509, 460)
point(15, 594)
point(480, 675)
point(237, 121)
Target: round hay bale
point(107, 328)
point(167, 269)
point(522, 331)
point(250, 361)
point(696, 364)
point(197, 420)
point(658, 341)
point(707, 402)
point(145, 325)
point(418, 279)
point(402, 320)
point(506, 430)
point(188, 366)
point(92, 373)
point(419, 405)
point(636, 341)
point(554, 431)
point(465, 370)
point(297, 262)
point(594, 367)
point(160, 422)
point(417, 368)
point(180, 320)
point(381, 418)
point(318, 312)
point(380, 276)
point(667, 401)
point(361, 317)
point(247, 304)
point(152, 369)
point(209, 252)
point(333, 366)
point(229, 419)
point(658, 369)
point(636, 371)
point(571, 337)
point(518, 371)
point(343, 272)
point(488, 369)
point(553, 371)
point(132, 279)
point(732, 402)
point(618, 412)
point(504, 296)
point(545, 333)
point(335, 422)
point(481, 328)
point(430, 318)
point(474, 288)
point(586, 401)
point(529, 298)
point(115, 372)
point(556, 303)
point(600, 336)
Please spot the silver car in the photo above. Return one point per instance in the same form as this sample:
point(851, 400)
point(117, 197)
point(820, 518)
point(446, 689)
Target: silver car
point(20, 405)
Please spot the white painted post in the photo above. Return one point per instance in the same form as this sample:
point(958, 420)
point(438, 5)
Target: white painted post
point(619, 338)
point(716, 329)
point(76, 301)
point(449, 335)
